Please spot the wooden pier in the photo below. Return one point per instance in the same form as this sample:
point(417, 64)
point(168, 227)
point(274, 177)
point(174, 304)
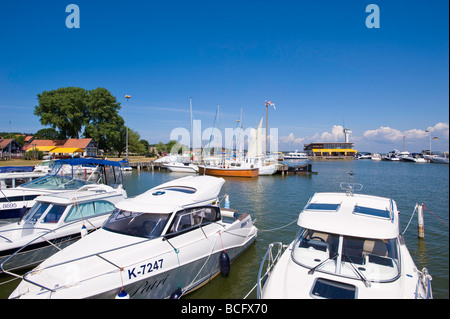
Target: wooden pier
point(282, 168)
point(148, 165)
point(295, 170)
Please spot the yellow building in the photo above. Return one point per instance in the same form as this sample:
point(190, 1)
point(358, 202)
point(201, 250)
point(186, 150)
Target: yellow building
point(330, 149)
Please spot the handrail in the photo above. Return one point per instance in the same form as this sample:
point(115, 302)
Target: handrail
point(425, 280)
point(271, 262)
point(36, 238)
point(96, 254)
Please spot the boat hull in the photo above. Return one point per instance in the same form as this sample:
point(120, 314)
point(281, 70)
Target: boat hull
point(161, 286)
point(228, 172)
point(142, 275)
point(182, 168)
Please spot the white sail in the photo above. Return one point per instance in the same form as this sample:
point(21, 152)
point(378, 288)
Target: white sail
point(255, 148)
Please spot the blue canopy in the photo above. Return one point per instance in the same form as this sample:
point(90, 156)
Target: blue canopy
point(87, 161)
point(16, 169)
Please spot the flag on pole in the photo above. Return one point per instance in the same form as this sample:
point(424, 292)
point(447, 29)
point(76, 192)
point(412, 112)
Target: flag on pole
point(435, 138)
point(270, 103)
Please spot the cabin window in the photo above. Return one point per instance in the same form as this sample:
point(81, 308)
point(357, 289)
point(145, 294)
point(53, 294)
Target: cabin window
point(354, 257)
point(86, 210)
point(146, 225)
point(330, 289)
point(323, 207)
point(191, 217)
point(55, 182)
point(372, 212)
point(54, 214)
point(36, 212)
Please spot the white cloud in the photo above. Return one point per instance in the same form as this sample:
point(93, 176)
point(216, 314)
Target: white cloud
point(292, 140)
point(387, 134)
point(336, 135)
point(380, 138)
point(384, 133)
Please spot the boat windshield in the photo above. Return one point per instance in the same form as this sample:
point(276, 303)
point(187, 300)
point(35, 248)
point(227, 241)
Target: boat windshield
point(55, 182)
point(363, 258)
point(147, 225)
point(53, 214)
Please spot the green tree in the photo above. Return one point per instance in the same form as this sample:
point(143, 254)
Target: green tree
point(64, 109)
point(103, 121)
point(47, 134)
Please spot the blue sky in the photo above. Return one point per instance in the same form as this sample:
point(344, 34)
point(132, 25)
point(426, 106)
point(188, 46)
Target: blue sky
point(316, 60)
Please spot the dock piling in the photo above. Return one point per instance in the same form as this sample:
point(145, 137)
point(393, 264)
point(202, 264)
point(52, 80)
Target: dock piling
point(420, 224)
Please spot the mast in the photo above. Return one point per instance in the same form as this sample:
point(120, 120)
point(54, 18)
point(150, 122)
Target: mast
point(267, 108)
point(192, 133)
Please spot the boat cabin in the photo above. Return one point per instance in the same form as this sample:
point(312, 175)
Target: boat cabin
point(168, 209)
point(350, 236)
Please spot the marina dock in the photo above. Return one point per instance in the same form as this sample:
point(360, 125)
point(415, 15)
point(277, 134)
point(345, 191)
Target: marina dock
point(282, 168)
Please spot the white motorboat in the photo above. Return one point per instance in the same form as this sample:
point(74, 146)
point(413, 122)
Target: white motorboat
point(439, 159)
point(45, 166)
point(364, 155)
point(165, 242)
point(54, 222)
point(295, 156)
point(12, 180)
point(182, 167)
point(391, 157)
point(125, 166)
point(414, 157)
point(265, 167)
point(16, 201)
point(348, 247)
point(376, 157)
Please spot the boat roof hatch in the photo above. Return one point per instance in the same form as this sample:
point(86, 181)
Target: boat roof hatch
point(182, 192)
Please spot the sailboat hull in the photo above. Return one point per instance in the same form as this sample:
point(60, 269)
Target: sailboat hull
point(228, 172)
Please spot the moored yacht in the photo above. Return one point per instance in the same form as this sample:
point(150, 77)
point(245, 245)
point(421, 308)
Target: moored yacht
point(160, 244)
point(63, 177)
point(295, 156)
point(348, 247)
point(414, 157)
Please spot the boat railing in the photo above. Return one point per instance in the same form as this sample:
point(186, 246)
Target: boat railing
point(271, 261)
point(350, 188)
point(93, 255)
point(47, 231)
point(425, 281)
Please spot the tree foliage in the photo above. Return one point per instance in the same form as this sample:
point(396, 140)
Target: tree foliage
point(69, 110)
point(103, 121)
point(63, 109)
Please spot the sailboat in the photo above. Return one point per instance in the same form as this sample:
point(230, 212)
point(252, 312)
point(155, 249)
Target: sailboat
point(255, 157)
point(227, 168)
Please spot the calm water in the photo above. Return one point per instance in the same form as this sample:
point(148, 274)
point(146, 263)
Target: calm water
point(276, 201)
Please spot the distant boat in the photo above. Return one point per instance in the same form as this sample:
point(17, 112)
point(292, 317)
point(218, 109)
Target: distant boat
point(376, 157)
point(364, 155)
point(438, 159)
point(391, 157)
point(296, 156)
point(181, 167)
point(228, 171)
point(414, 157)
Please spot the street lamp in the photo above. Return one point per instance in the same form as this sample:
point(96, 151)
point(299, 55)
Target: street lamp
point(127, 97)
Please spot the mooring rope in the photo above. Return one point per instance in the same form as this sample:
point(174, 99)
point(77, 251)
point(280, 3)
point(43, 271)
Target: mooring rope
point(273, 229)
point(442, 221)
